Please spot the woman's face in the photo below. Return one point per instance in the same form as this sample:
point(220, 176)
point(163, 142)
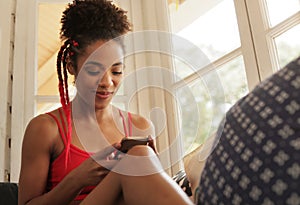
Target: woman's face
point(99, 73)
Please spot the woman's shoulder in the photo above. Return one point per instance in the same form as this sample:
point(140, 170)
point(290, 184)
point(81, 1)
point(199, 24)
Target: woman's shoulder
point(140, 121)
point(137, 120)
point(43, 121)
point(140, 124)
point(42, 124)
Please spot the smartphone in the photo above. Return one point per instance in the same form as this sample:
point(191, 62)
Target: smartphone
point(129, 142)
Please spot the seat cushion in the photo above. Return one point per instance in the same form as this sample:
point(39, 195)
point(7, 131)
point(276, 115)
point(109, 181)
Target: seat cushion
point(8, 193)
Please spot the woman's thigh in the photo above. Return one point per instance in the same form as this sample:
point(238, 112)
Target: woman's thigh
point(108, 191)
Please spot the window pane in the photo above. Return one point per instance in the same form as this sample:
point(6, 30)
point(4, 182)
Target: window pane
point(288, 45)
point(280, 10)
point(190, 114)
point(234, 80)
point(200, 108)
point(203, 104)
point(182, 69)
point(215, 31)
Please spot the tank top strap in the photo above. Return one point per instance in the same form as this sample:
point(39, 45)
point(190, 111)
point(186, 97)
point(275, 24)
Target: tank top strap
point(62, 121)
point(129, 123)
point(61, 129)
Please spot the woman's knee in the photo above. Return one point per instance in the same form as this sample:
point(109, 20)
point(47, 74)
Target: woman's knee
point(140, 160)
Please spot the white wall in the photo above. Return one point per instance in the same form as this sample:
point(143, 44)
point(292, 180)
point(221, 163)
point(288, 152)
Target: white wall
point(24, 72)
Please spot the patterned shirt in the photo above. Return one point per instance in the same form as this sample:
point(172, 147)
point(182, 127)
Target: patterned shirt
point(257, 156)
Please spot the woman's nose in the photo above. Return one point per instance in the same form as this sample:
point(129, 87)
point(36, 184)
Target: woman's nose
point(106, 80)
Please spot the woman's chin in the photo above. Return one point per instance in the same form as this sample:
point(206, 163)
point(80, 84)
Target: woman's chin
point(102, 105)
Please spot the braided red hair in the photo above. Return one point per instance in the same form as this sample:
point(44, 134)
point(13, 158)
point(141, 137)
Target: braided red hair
point(64, 93)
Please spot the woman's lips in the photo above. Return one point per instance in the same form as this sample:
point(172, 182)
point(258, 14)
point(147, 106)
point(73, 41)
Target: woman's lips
point(103, 94)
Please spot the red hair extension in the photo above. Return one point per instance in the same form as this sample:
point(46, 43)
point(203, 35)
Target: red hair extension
point(64, 94)
point(65, 53)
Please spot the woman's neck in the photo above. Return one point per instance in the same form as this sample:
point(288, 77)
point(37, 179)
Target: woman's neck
point(105, 113)
point(84, 111)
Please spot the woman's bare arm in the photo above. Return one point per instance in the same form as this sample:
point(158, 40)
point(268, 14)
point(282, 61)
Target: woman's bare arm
point(37, 147)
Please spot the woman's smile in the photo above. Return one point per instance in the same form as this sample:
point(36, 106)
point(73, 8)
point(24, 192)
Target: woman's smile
point(104, 94)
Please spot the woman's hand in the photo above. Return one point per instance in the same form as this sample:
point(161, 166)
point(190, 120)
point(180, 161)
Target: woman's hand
point(94, 169)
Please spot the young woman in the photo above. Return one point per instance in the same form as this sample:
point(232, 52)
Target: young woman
point(65, 156)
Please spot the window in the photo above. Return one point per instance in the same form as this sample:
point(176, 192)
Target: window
point(245, 42)
point(284, 14)
point(275, 27)
point(279, 11)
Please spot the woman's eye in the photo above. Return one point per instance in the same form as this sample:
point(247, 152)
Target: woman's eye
point(93, 73)
point(117, 72)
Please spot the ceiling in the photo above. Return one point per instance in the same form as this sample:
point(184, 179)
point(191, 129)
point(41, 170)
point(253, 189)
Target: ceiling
point(48, 45)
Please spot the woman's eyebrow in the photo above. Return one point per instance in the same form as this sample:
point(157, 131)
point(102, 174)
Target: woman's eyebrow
point(100, 65)
point(118, 63)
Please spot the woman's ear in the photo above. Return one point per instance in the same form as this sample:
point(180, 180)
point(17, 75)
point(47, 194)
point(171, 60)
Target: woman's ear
point(70, 68)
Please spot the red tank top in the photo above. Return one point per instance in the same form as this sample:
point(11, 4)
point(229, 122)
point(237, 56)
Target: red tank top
point(59, 169)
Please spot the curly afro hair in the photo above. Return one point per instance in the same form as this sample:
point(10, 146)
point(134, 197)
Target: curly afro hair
point(88, 20)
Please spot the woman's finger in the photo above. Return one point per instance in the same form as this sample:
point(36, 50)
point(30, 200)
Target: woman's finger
point(151, 143)
point(108, 164)
point(102, 154)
